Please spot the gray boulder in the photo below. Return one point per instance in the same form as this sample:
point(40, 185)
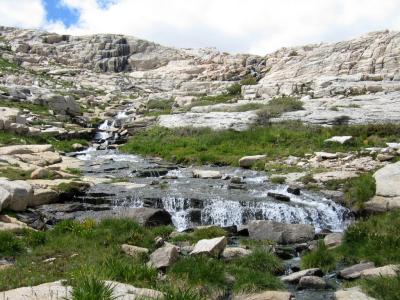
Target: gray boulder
point(65, 105)
point(311, 282)
point(296, 276)
point(280, 232)
point(353, 272)
point(164, 257)
point(212, 247)
point(21, 194)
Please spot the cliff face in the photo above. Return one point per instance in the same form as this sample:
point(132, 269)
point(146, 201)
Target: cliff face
point(360, 78)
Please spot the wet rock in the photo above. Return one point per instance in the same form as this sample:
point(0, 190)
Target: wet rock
point(354, 293)
point(234, 252)
point(236, 180)
point(266, 295)
point(333, 240)
point(232, 186)
point(212, 247)
point(164, 257)
point(248, 161)
point(280, 232)
point(134, 251)
point(353, 272)
point(295, 277)
point(293, 189)
point(207, 174)
point(311, 282)
point(153, 172)
point(279, 197)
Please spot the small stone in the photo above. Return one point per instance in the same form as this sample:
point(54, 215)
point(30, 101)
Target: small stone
point(213, 247)
point(339, 139)
point(234, 252)
point(279, 197)
point(207, 174)
point(384, 157)
point(164, 257)
point(311, 282)
point(295, 190)
point(333, 240)
point(295, 277)
point(248, 161)
point(134, 251)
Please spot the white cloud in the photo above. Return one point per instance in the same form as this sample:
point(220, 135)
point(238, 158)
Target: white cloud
point(255, 26)
point(22, 13)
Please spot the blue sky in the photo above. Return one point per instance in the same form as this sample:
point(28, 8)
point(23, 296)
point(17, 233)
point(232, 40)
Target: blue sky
point(252, 26)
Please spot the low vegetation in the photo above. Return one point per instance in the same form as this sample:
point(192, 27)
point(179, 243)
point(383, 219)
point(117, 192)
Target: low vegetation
point(87, 253)
point(7, 66)
point(158, 107)
point(383, 288)
point(34, 108)
point(188, 145)
point(321, 258)
point(277, 106)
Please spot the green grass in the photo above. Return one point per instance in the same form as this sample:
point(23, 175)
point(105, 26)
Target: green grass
point(382, 288)
point(376, 239)
point(91, 288)
point(321, 258)
point(212, 100)
point(7, 66)
point(15, 173)
point(158, 107)
point(34, 108)
point(248, 80)
point(199, 146)
point(9, 245)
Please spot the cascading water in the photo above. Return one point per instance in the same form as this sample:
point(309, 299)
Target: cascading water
point(192, 201)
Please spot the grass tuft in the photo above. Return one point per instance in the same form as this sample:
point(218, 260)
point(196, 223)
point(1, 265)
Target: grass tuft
point(321, 258)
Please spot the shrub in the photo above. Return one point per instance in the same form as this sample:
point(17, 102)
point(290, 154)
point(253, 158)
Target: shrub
point(10, 245)
point(278, 106)
point(235, 89)
point(91, 288)
point(278, 179)
point(359, 190)
point(321, 258)
point(248, 80)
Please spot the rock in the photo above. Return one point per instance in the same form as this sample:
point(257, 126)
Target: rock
point(389, 270)
point(295, 190)
point(334, 175)
point(5, 198)
point(164, 257)
point(21, 194)
point(207, 174)
point(325, 155)
point(280, 232)
point(384, 157)
point(212, 247)
point(353, 293)
point(279, 197)
point(134, 251)
point(295, 277)
point(266, 295)
point(43, 196)
point(333, 240)
point(248, 161)
point(387, 196)
point(7, 117)
point(234, 252)
point(65, 105)
point(46, 291)
point(11, 224)
point(353, 272)
point(124, 291)
point(40, 159)
point(312, 282)
point(25, 149)
point(339, 139)
point(40, 173)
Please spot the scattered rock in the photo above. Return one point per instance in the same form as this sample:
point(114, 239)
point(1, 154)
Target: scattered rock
point(248, 161)
point(389, 270)
point(295, 190)
point(279, 197)
point(353, 272)
point(295, 277)
point(353, 293)
point(207, 174)
point(333, 240)
point(266, 295)
point(234, 252)
point(164, 257)
point(339, 139)
point(312, 282)
point(134, 251)
point(212, 247)
point(280, 232)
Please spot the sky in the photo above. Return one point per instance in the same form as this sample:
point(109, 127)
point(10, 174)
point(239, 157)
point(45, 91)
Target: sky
point(236, 26)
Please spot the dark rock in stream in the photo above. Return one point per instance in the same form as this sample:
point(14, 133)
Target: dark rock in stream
point(152, 172)
point(279, 197)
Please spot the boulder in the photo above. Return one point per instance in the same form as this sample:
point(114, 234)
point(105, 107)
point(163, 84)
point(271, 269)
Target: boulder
point(212, 247)
point(5, 198)
point(164, 257)
point(334, 175)
point(234, 252)
point(25, 149)
point(384, 157)
point(312, 282)
point(333, 240)
point(21, 193)
point(43, 196)
point(40, 159)
point(248, 161)
point(40, 173)
point(353, 272)
point(207, 174)
point(65, 105)
point(266, 295)
point(296, 276)
point(134, 251)
point(280, 232)
point(387, 196)
point(353, 293)
point(389, 271)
